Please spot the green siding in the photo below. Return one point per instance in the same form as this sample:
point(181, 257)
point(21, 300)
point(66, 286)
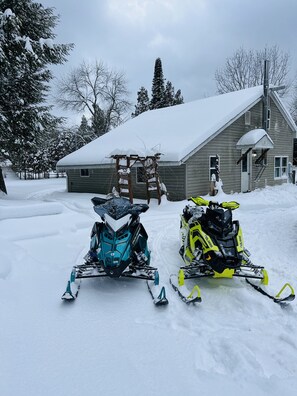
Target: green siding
point(174, 178)
point(99, 181)
point(102, 180)
point(282, 137)
point(225, 146)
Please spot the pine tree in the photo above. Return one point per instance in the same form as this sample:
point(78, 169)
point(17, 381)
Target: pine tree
point(162, 96)
point(169, 94)
point(26, 50)
point(99, 121)
point(178, 98)
point(143, 102)
point(85, 131)
point(158, 87)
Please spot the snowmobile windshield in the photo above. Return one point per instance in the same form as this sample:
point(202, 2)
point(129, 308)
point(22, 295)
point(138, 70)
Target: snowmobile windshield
point(219, 220)
point(115, 208)
point(119, 207)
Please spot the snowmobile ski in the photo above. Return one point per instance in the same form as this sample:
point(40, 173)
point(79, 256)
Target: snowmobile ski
point(72, 288)
point(187, 296)
point(157, 292)
point(277, 299)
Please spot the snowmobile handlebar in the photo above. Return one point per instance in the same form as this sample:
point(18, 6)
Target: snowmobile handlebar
point(199, 201)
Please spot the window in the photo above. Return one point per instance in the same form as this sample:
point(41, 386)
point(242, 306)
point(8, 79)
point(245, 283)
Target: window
point(247, 118)
point(84, 173)
point(140, 175)
point(280, 167)
point(268, 119)
point(214, 165)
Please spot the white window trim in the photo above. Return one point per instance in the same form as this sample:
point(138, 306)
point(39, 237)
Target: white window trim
point(281, 177)
point(247, 118)
point(82, 169)
point(212, 168)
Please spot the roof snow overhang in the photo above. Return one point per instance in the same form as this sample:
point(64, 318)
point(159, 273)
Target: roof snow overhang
point(255, 139)
point(222, 128)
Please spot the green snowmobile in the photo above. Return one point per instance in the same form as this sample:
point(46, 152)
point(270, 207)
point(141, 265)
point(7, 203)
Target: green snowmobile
point(212, 246)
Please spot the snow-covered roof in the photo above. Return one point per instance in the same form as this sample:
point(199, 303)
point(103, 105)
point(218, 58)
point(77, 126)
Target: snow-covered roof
point(176, 132)
point(256, 138)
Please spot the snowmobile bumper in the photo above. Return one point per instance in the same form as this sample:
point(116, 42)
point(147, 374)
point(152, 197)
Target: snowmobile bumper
point(277, 298)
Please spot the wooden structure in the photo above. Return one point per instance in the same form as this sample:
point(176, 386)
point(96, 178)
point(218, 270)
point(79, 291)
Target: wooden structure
point(149, 164)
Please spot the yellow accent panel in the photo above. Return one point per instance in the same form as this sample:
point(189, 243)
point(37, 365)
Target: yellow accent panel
point(265, 279)
point(239, 240)
point(188, 256)
point(181, 277)
point(227, 273)
point(204, 239)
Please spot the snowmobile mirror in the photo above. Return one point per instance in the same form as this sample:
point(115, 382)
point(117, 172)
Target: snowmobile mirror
point(199, 201)
point(138, 208)
point(98, 201)
point(230, 205)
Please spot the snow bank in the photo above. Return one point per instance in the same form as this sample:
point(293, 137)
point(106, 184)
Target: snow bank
point(38, 209)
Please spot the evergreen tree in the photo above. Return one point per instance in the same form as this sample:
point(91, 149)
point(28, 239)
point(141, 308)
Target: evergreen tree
point(26, 50)
point(85, 132)
point(99, 121)
point(162, 95)
point(158, 87)
point(178, 98)
point(143, 102)
point(169, 94)
point(62, 143)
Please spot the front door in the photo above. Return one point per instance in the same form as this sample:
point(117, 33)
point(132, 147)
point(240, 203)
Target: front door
point(245, 173)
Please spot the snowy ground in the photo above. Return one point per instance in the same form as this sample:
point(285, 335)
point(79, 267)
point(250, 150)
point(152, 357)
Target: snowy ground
point(113, 340)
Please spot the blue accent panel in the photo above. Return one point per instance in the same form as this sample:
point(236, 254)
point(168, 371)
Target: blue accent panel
point(156, 281)
point(72, 276)
point(114, 249)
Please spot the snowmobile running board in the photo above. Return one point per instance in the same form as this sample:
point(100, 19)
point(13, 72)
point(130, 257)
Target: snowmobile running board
point(277, 298)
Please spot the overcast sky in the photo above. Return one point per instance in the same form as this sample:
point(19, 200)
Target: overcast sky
point(192, 37)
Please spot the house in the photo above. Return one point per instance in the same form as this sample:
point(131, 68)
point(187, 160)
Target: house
point(228, 130)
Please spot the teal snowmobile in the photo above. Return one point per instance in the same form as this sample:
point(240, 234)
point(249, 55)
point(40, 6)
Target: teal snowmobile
point(118, 248)
point(212, 246)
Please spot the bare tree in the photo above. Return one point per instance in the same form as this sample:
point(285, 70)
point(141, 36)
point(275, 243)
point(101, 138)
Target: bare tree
point(293, 102)
point(100, 91)
point(246, 69)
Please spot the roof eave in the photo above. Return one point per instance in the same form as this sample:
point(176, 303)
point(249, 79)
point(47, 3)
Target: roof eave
point(284, 111)
point(184, 159)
